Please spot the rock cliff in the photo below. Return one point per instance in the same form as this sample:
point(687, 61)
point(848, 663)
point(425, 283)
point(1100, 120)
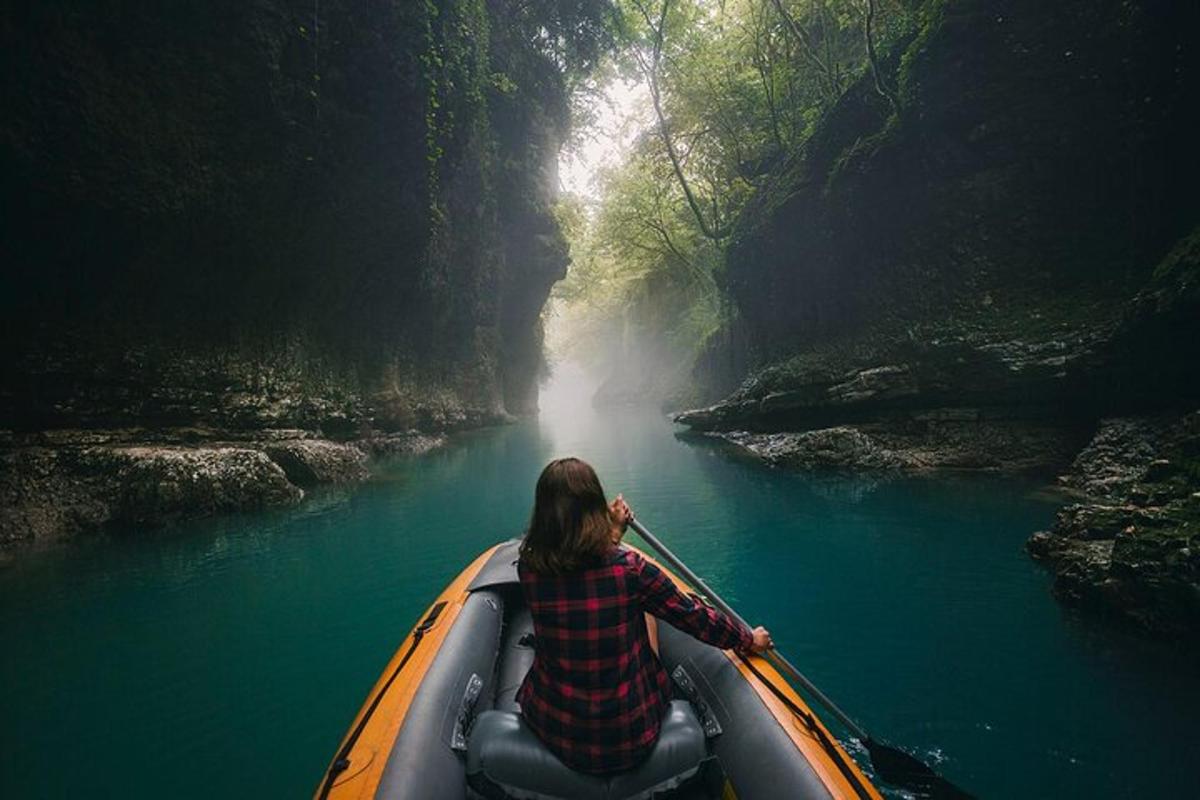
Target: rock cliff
point(242, 217)
point(978, 280)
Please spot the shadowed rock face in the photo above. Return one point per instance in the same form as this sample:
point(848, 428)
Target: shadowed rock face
point(835, 448)
point(984, 247)
point(309, 462)
point(1041, 148)
point(956, 375)
point(234, 214)
point(1128, 550)
point(227, 218)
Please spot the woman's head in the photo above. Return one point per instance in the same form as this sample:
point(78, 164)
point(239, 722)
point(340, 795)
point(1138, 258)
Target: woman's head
point(571, 525)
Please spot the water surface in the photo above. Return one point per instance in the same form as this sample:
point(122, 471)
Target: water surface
point(226, 657)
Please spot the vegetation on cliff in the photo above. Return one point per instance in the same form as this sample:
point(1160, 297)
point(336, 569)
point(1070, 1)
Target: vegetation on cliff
point(905, 235)
point(232, 226)
point(733, 89)
point(993, 173)
point(342, 209)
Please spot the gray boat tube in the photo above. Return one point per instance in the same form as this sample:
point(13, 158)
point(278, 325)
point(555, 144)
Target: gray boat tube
point(486, 654)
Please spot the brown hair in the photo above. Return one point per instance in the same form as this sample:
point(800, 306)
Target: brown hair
point(571, 525)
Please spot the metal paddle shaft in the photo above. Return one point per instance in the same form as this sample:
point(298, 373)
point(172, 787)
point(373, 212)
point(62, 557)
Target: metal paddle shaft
point(893, 764)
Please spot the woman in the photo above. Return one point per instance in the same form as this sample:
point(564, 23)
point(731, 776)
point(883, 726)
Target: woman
point(596, 692)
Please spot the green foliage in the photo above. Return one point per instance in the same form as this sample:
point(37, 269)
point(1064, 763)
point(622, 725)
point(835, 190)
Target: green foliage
point(529, 52)
point(640, 295)
point(740, 87)
point(455, 69)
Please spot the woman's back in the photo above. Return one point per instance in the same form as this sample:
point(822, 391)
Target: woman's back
point(596, 691)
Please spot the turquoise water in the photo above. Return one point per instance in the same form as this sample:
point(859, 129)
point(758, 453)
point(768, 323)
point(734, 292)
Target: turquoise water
point(225, 658)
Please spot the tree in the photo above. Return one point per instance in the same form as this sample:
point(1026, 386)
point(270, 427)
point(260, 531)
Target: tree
point(650, 65)
point(734, 88)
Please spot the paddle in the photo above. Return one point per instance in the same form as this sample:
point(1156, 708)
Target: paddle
point(893, 764)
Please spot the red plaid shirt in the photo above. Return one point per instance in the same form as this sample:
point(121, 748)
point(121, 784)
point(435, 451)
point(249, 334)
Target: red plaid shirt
point(596, 691)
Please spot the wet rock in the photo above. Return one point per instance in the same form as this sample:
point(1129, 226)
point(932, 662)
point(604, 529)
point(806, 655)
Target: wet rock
point(1084, 573)
point(432, 409)
point(1092, 521)
point(874, 380)
point(836, 448)
point(58, 484)
point(1117, 457)
point(879, 383)
point(62, 483)
point(1148, 580)
point(48, 494)
point(158, 484)
point(311, 462)
point(1130, 550)
point(382, 445)
point(947, 439)
point(702, 419)
point(1042, 544)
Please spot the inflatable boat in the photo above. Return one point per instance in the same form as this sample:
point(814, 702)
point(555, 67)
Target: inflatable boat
point(442, 722)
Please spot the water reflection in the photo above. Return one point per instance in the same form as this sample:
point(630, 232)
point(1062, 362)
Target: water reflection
point(911, 602)
point(839, 486)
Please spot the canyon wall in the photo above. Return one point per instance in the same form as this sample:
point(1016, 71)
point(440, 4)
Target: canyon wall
point(269, 219)
point(997, 275)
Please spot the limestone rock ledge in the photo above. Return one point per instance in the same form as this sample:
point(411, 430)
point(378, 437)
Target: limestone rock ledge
point(310, 462)
point(1130, 548)
point(833, 448)
point(412, 443)
point(51, 493)
point(59, 484)
point(950, 439)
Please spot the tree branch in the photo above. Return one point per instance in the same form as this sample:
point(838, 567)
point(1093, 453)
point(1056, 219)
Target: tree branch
point(651, 73)
point(870, 37)
point(801, 35)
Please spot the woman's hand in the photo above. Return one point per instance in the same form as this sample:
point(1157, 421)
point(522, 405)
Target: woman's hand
point(762, 641)
point(621, 514)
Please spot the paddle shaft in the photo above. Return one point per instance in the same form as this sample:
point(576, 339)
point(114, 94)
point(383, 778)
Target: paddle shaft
point(777, 657)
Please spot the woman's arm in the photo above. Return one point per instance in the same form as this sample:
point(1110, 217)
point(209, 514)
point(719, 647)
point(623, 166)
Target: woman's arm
point(658, 595)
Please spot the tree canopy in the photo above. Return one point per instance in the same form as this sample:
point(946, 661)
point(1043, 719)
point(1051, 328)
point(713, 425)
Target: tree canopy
point(734, 88)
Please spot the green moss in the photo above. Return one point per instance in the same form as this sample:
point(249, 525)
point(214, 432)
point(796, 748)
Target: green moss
point(929, 19)
point(861, 152)
point(456, 75)
point(1182, 265)
point(329, 188)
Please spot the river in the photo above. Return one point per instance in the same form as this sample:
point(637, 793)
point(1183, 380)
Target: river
point(226, 657)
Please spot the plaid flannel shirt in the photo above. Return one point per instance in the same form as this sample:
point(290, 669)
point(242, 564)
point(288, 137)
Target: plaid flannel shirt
point(596, 692)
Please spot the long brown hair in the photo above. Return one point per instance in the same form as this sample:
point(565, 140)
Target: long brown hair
point(571, 525)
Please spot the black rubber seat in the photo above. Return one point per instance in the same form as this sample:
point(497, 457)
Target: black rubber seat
point(505, 758)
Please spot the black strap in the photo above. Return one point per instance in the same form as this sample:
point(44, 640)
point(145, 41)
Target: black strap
point(811, 723)
point(342, 762)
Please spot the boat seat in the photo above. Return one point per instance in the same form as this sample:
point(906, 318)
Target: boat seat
point(516, 657)
point(505, 759)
